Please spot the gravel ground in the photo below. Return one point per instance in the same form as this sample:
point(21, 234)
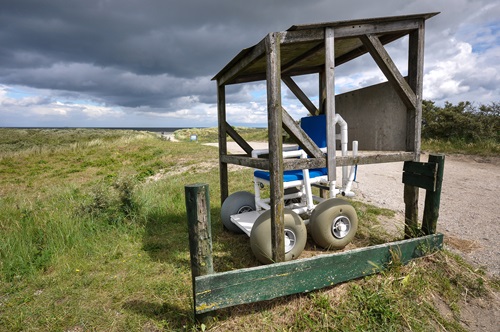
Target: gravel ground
point(470, 204)
point(469, 215)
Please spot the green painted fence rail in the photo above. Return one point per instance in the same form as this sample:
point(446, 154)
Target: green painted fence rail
point(212, 291)
point(261, 283)
point(428, 176)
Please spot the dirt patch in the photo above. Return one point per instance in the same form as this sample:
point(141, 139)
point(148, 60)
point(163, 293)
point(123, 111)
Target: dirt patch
point(462, 245)
point(168, 137)
point(203, 167)
point(469, 213)
point(475, 314)
point(480, 315)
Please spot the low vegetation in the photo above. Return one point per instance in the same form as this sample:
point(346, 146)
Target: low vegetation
point(210, 135)
point(462, 128)
point(94, 237)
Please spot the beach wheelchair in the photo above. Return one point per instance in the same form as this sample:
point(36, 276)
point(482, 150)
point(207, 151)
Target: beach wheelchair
point(332, 221)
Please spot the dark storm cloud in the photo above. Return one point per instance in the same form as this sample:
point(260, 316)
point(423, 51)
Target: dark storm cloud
point(183, 38)
point(129, 53)
point(150, 53)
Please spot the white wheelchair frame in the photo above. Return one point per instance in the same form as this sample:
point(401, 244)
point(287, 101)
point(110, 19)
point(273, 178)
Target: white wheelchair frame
point(306, 200)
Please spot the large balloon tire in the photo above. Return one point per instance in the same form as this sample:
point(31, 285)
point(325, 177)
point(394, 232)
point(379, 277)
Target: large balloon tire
point(333, 223)
point(236, 203)
point(295, 237)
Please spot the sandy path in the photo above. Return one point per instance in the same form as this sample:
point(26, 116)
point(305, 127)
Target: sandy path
point(470, 202)
point(470, 205)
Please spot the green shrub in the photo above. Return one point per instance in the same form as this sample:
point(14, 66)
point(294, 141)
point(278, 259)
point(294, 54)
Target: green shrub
point(462, 122)
point(112, 202)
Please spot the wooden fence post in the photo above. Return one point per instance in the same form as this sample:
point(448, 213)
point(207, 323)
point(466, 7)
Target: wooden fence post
point(200, 236)
point(433, 198)
point(410, 196)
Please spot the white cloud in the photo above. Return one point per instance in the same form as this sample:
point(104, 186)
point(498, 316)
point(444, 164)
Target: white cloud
point(156, 62)
point(460, 74)
point(251, 114)
point(37, 110)
point(440, 81)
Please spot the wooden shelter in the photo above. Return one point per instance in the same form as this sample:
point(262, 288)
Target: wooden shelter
point(385, 118)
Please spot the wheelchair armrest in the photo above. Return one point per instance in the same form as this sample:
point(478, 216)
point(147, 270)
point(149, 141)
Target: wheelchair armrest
point(286, 149)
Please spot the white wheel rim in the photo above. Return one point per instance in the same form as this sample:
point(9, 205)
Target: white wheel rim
point(341, 227)
point(244, 208)
point(290, 240)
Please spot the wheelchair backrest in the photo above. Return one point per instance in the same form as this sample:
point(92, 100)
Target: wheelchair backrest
point(315, 127)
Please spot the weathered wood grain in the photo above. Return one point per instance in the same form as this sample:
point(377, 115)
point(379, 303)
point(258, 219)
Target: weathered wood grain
point(415, 81)
point(388, 67)
point(414, 120)
point(301, 96)
point(290, 164)
point(239, 140)
point(433, 198)
point(267, 282)
point(274, 116)
point(330, 103)
point(304, 141)
point(200, 233)
point(222, 127)
point(232, 71)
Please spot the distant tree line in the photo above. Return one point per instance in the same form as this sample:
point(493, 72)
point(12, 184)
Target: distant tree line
point(462, 122)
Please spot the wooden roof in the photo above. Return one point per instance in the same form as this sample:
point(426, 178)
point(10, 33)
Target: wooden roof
point(302, 46)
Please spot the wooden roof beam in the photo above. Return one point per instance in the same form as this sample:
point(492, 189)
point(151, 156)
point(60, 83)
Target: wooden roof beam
point(385, 39)
point(254, 54)
point(238, 139)
point(308, 104)
point(262, 76)
point(288, 66)
point(308, 34)
point(304, 141)
point(388, 67)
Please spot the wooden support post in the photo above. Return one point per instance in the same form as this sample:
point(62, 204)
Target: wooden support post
point(433, 198)
point(411, 211)
point(322, 92)
point(414, 120)
point(330, 107)
point(221, 110)
point(200, 235)
point(274, 114)
point(415, 81)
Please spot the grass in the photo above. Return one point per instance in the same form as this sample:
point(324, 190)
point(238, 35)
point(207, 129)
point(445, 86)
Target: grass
point(482, 148)
point(94, 237)
point(208, 135)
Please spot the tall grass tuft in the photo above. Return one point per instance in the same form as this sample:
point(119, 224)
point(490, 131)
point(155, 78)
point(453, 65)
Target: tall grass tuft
point(487, 147)
point(94, 237)
point(112, 203)
point(36, 231)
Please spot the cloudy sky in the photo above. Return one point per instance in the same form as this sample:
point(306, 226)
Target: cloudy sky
point(149, 63)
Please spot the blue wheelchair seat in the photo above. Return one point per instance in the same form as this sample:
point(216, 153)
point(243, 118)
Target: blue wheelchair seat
point(315, 128)
point(291, 175)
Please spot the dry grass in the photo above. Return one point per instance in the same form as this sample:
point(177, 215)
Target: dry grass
point(90, 241)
